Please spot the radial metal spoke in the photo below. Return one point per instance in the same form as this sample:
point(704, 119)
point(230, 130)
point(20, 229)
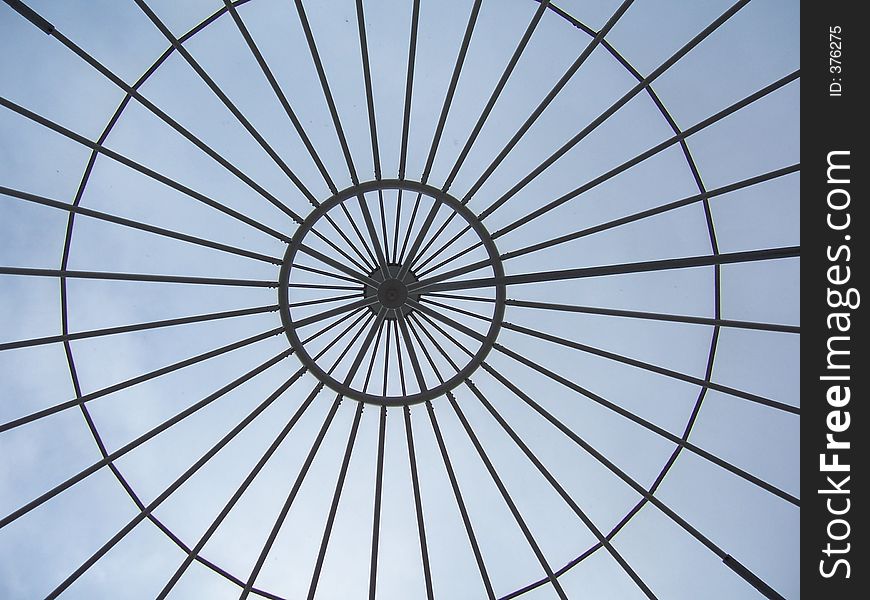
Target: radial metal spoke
point(360, 315)
point(453, 257)
point(375, 328)
point(237, 495)
point(632, 314)
point(461, 297)
point(678, 138)
point(333, 509)
point(279, 94)
point(390, 258)
point(342, 138)
point(219, 93)
point(294, 490)
point(425, 310)
point(495, 477)
point(181, 545)
point(702, 197)
point(353, 224)
point(410, 225)
point(365, 266)
point(337, 265)
point(439, 130)
point(211, 152)
point(484, 115)
point(285, 509)
point(502, 82)
point(122, 159)
point(610, 111)
point(657, 149)
point(650, 426)
point(657, 316)
point(376, 517)
point(397, 226)
point(324, 273)
point(138, 379)
point(347, 454)
point(409, 259)
point(374, 356)
point(444, 247)
point(465, 229)
point(608, 404)
point(367, 76)
point(31, 15)
point(426, 353)
point(460, 503)
point(593, 43)
point(507, 497)
point(324, 84)
point(368, 319)
point(435, 236)
point(387, 358)
point(447, 335)
point(373, 236)
point(399, 354)
point(81, 399)
point(437, 283)
point(335, 500)
point(369, 259)
point(141, 439)
point(415, 320)
point(747, 575)
point(455, 309)
point(177, 483)
point(322, 286)
point(369, 266)
point(109, 218)
point(80, 335)
point(412, 354)
point(369, 256)
point(373, 128)
point(563, 493)
point(144, 277)
point(415, 484)
point(703, 383)
point(363, 314)
point(451, 89)
point(409, 87)
point(654, 368)
point(362, 303)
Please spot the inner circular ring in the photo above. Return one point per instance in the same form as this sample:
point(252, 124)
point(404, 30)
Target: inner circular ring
point(395, 293)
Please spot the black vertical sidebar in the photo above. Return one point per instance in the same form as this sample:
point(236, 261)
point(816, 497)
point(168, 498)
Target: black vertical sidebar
point(834, 343)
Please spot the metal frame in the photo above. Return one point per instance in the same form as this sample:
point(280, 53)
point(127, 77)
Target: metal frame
point(428, 327)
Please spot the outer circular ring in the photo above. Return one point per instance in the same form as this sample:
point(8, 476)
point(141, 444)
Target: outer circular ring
point(553, 9)
point(439, 196)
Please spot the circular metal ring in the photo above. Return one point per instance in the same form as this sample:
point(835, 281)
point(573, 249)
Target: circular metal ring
point(394, 287)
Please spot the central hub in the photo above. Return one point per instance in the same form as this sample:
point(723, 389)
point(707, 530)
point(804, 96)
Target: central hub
point(392, 292)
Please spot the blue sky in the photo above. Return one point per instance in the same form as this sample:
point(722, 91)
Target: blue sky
point(756, 47)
